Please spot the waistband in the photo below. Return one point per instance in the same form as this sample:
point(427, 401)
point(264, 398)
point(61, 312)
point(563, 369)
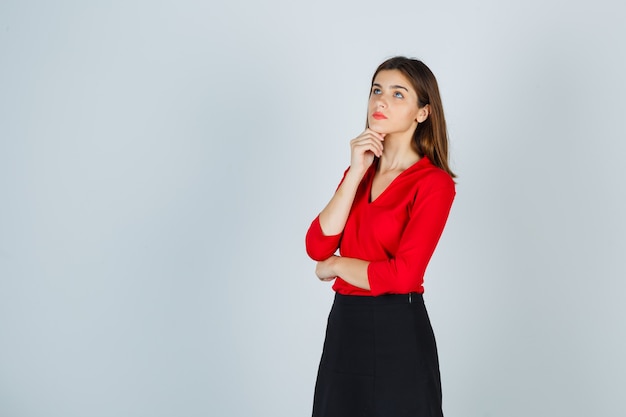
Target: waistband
point(410, 298)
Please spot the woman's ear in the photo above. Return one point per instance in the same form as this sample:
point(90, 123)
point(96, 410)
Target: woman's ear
point(423, 113)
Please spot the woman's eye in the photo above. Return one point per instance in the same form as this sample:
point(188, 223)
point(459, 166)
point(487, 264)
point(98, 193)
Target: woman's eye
point(398, 94)
point(376, 91)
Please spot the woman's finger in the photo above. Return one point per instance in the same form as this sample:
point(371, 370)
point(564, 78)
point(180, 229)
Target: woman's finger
point(369, 144)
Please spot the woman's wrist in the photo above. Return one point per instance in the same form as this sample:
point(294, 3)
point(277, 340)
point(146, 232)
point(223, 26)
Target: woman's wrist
point(356, 174)
point(333, 262)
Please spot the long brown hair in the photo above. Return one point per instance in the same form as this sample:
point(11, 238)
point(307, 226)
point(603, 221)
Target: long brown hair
point(431, 136)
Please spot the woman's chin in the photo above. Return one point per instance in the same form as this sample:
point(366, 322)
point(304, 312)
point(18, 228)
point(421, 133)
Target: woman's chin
point(378, 127)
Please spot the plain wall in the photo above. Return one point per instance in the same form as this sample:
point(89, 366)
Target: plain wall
point(160, 163)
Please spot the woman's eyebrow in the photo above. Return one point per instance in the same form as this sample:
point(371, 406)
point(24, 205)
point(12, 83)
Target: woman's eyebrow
point(399, 86)
point(392, 87)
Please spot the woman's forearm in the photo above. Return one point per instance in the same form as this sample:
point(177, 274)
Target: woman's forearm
point(363, 149)
point(334, 216)
point(351, 270)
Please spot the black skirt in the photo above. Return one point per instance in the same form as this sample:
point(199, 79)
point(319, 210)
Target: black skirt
point(379, 359)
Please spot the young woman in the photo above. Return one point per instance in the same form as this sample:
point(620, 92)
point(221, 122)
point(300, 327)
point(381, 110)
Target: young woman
point(386, 217)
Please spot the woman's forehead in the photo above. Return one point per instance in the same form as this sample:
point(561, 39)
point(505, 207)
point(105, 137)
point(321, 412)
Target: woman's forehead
point(386, 78)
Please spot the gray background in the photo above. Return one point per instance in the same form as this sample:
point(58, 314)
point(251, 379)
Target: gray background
point(160, 163)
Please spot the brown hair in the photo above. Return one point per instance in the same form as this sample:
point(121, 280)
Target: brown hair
point(431, 136)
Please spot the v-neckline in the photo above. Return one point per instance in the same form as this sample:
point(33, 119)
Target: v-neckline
point(371, 181)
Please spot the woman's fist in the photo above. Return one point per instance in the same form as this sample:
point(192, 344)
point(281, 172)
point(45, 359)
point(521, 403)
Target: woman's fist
point(364, 148)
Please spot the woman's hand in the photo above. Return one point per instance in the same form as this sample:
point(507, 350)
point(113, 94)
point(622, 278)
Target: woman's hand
point(364, 148)
point(351, 270)
point(324, 269)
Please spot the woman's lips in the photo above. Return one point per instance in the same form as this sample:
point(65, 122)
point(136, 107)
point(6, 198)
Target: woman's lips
point(379, 116)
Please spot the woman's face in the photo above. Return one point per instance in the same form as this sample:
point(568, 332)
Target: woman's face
point(392, 105)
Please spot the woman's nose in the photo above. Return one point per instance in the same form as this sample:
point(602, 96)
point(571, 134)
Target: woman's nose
point(381, 101)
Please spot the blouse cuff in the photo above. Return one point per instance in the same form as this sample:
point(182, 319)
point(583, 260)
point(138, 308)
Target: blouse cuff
point(384, 278)
point(318, 245)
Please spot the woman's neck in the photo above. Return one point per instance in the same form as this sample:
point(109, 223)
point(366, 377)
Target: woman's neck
point(398, 154)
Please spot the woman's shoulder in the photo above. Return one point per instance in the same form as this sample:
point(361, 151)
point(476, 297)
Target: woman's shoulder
point(431, 176)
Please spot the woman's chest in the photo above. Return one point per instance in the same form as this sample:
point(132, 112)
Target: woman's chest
point(379, 224)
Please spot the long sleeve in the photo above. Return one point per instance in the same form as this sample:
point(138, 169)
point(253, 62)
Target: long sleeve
point(318, 245)
point(404, 272)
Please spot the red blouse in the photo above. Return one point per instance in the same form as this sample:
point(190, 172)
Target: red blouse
point(397, 233)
